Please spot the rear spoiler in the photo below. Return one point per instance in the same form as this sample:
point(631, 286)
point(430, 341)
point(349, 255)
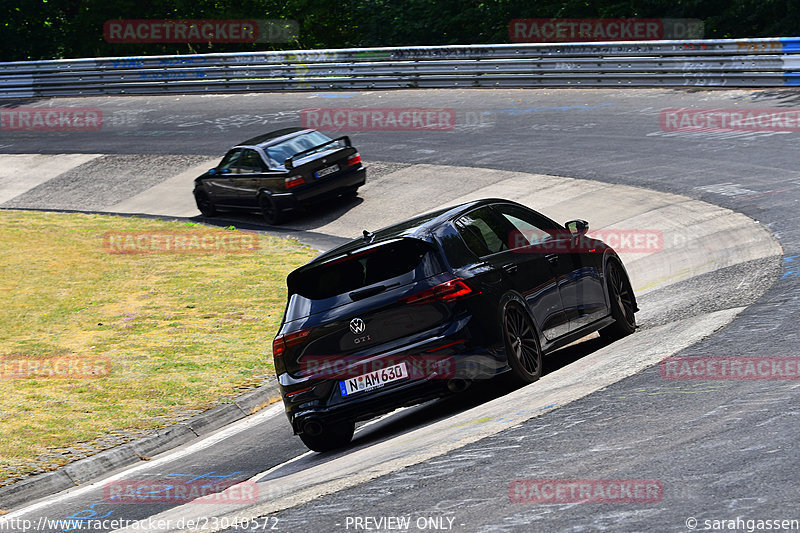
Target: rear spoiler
point(289, 163)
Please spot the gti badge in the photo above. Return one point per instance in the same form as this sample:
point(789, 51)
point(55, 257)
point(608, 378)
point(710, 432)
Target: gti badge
point(357, 326)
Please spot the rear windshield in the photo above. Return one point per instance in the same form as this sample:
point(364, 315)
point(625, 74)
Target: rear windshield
point(360, 270)
point(282, 151)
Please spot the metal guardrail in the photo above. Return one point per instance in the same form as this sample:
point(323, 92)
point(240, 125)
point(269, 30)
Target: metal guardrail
point(770, 62)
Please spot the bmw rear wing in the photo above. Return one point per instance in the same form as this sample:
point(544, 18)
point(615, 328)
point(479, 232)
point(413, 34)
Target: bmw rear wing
point(289, 163)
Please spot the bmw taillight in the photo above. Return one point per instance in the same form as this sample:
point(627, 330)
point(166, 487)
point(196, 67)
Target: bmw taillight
point(293, 181)
point(282, 342)
point(353, 160)
point(449, 290)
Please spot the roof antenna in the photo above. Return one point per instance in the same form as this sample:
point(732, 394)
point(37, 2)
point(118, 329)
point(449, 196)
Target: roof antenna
point(368, 237)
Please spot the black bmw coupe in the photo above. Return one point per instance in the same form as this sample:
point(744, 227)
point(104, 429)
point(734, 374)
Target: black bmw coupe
point(422, 308)
point(279, 172)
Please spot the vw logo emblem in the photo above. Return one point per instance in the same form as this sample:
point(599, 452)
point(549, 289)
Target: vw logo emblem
point(357, 326)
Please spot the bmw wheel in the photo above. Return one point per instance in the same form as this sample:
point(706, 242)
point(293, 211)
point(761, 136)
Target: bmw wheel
point(205, 205)
point(272, 214)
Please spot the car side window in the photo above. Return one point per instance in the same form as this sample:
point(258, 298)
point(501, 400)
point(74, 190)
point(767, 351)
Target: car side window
point(251, 162)
point(230, 162)
point(483, 232)
point(529, 228)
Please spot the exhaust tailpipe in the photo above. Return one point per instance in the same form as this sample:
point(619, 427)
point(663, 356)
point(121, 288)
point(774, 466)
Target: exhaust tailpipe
point(312, 427)
point(458, 385)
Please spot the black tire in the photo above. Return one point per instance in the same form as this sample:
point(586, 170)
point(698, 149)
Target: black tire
point(523, 350)
point(623, 306)
point(331, 438)
point(205, 205)
point(272, 215)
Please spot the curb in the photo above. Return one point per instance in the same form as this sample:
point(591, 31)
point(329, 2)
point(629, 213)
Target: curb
point(91, 468)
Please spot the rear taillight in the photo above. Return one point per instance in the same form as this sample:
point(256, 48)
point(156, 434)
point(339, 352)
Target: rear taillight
point(353, 160)
point(293, 181)
point(282, 342)
point(449, 290)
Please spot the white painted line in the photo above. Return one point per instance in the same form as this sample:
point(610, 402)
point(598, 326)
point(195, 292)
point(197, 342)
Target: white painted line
point(310, 452)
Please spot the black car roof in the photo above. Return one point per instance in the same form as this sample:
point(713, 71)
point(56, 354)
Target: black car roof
point(420, 227)
point(266, 138)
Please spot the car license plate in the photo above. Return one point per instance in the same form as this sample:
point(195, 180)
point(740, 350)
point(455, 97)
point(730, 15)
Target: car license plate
point(325, 171)
point(373, 380)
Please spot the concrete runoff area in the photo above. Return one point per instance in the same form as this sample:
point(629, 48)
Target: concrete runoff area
point(20, 173)
point(171, 197)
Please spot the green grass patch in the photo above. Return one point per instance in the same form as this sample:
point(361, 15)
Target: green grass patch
point(181, 331)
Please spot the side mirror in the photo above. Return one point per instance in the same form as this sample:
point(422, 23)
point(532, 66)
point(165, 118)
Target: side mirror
point(212, 171)
point(577, 227)
point(225, 171)
point(287, 164)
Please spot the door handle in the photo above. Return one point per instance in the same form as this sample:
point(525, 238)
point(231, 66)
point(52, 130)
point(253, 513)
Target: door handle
point(510, 268)
point(552, 258)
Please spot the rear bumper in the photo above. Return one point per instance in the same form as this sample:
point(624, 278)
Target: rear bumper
point(321, 399)
point(320, 190)
point(439, 361)
point(370, 405)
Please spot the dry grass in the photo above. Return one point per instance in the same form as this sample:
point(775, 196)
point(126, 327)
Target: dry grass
point(183, 331)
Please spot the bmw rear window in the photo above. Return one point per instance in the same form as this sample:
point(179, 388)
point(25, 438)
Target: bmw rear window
point(283, 151)
point(365, 268)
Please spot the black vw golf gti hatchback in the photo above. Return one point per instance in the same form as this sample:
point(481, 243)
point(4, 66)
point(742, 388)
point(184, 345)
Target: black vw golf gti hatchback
point(424, 307)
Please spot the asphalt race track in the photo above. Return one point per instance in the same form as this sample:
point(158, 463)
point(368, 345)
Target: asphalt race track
point(720, 450)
